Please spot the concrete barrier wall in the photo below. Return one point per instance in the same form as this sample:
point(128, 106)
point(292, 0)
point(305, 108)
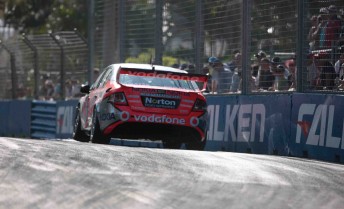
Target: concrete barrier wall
point(300, 125)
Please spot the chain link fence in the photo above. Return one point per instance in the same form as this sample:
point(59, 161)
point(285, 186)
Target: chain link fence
point(260, 44)
point(256, 46)
point(47, 66)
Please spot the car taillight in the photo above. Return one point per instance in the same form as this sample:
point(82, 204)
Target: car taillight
point(118, 98)
point(200, 105)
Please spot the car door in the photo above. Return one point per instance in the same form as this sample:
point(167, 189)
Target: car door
point(96, 93)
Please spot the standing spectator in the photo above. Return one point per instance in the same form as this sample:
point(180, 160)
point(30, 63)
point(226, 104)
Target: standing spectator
point(76, 88)
point(341, 32)
point(183, 66)
point(232, 64)
point(341, 77)
point(313, 37)
point(275, 61)
point(175, 65)
point(280, 73)
point(332, 27)
point(338, 64)
point(260, 55)
point(339, 69)
point(291, 66)
point(206, 72)
point(281, 82)
point(313, 72)
point(215, 68)
point(327, 72)
point(21, 91)
point(57, 89)
point(68, 89)
point(236, 78)
point(191, 69)
point(321, 30)
point(47, 90)
point(254, 74)
point(265, 78)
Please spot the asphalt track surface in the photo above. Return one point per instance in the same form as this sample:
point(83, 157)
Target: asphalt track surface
point(70, 174)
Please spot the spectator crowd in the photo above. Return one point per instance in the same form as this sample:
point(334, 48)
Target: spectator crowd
point(322, 70)
point(324, 64)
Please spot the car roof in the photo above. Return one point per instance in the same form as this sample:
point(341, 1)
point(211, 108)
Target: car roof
point(148, 67)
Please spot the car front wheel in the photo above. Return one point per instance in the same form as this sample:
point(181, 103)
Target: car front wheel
point(78, 134)
point(96, 135)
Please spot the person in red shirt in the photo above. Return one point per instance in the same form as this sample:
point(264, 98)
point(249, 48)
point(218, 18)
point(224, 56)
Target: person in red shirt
point(332, 28)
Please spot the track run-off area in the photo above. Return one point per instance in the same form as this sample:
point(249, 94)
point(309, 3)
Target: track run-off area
point(71, 174)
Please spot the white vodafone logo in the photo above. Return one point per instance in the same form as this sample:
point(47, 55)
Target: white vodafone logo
point(124, 116)
point(194, 121)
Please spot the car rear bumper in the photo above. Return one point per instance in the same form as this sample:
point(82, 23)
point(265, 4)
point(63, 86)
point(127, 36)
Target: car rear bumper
point(153, 131)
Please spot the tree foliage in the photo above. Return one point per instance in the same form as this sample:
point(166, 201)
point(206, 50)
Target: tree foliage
point(42, 16)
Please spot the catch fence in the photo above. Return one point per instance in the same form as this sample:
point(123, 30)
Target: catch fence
point(46, 66)
point(264, 46)
point(184, 34)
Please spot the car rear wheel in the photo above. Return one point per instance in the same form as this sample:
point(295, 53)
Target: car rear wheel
point(171, 144)
point(78, 134)
point(96, 135)
point(196, 145)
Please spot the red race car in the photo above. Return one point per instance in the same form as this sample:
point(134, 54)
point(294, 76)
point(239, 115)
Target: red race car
point(142, 101)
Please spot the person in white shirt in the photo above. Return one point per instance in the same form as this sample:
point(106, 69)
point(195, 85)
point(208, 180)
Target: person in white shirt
point(339, 66)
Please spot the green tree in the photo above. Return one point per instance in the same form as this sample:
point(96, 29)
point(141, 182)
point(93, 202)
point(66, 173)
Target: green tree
point(42, 16)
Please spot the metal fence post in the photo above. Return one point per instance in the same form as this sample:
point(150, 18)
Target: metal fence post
point(62, 70)
point(300, 53)
point(13, 70)
point(199, 42)
point(90, 43)
point(246, 43)
point(158, 31)
point(35, 65)
point(80, 36)
point(14, 76)
point(121, 26)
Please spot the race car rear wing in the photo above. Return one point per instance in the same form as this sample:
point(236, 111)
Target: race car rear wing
point(201, 80)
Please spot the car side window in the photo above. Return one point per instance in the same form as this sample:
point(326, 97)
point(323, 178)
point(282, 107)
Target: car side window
point(99, 79)
point(106, 77)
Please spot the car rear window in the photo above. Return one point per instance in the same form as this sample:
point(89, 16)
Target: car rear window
point(157, 82)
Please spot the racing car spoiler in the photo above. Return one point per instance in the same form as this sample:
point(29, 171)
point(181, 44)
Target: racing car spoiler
point(201, 80)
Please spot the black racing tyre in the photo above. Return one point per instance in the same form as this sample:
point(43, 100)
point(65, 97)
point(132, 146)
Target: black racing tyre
point(171, 144)
point(95, 135)
point(196, 144)
point(78, 134)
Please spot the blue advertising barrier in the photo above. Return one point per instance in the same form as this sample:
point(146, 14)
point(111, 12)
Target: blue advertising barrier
point(317, 124)
point(300, 125)
point(15, 118)
point(65, 114)
point(43, 119)
point(249, 124)
point(217, 134)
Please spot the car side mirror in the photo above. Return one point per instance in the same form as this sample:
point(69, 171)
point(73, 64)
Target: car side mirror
point(85, 88)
